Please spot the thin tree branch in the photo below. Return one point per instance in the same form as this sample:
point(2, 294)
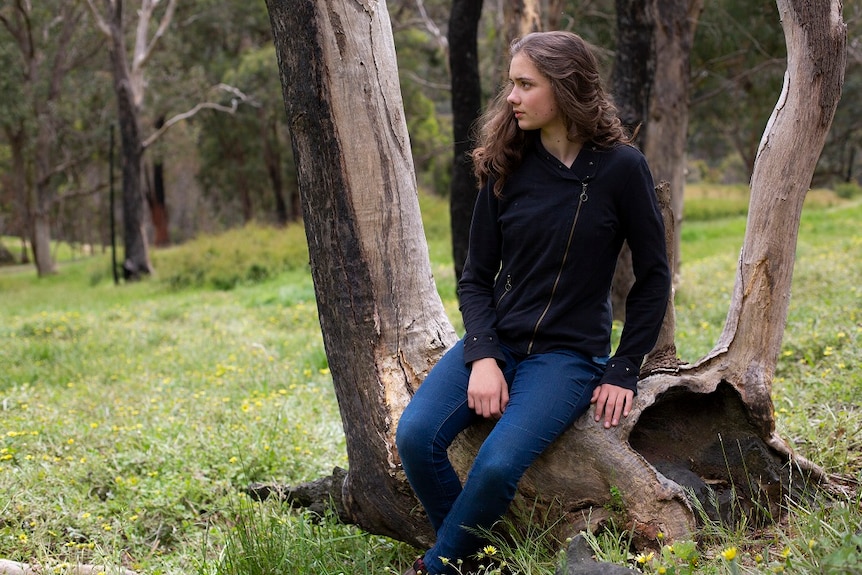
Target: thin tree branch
point(25, 12)
point(60, 168)
point(95, 189)
point(414, 77)
point(734, 81)
point(239, 98)
point(69, 21)
point(432, 28)
point(100, 22)
point(167, 17)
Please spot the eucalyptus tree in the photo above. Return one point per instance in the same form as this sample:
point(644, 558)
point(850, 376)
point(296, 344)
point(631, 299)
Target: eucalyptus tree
point(383, 323)
point(466, 107)
point(246, 162)
point(151, 22)
point(44, 59)
point(245, 166)
point(130, 85)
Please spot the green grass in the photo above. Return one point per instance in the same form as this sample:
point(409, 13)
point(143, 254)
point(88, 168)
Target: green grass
point(131, 417)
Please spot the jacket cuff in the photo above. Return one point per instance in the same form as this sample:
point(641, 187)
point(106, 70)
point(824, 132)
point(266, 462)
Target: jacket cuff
point(622, 372)
point(480, 346)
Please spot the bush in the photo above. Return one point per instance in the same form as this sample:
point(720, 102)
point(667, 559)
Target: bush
point(848, 190)
point(244, 256)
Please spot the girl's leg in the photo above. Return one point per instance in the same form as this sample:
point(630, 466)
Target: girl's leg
point(548, 393)
point(429, 424)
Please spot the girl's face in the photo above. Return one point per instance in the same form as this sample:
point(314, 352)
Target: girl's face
point(532, 98)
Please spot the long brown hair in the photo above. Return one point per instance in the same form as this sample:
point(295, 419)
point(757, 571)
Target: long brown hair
point(570, 65)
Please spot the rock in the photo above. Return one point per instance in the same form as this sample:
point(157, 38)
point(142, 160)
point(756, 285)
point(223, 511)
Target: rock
point(580, 561)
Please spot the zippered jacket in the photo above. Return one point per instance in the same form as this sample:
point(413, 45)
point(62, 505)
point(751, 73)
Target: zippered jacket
point(541, 260)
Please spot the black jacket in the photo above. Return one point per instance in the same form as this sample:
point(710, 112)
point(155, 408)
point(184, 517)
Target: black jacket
point(541, 260)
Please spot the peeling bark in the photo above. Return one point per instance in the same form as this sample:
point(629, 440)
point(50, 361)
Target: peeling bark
point(383, 323)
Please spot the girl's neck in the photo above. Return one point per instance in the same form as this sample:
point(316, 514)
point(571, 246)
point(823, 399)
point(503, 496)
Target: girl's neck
point(557, 143)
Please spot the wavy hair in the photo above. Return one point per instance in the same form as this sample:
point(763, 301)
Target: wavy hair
point(568, 62)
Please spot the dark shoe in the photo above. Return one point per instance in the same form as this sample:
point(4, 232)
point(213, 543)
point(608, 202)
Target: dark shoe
point(418, 568)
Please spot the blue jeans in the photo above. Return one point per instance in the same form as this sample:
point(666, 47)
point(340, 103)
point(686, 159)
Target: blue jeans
point(547, 393)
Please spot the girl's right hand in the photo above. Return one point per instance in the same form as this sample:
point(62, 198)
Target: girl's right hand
point(487, 391)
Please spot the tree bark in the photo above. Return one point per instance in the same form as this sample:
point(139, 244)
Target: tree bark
point(136, 262)
point(272, 159)
point(634, 61)
point(383, 323)
point(707, 426)
point(129, 86)
point(667, 125)
point(157, 199)
point(466, 107)
point(633, 77)
point(521, 17)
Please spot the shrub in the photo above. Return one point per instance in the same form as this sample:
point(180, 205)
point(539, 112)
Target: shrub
point(244, 256)
point(848, 190)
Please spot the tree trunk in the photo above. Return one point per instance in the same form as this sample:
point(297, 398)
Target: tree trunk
point(466, 107)
point(521, 17)
point(40, 240)
point(651, 85)
point(667, 126)
point(707, 426)
point(634, 61)
point(129, 86)
point(157, 199)
point(32, 224)
point(634, 72)
point(383, 323)
point(272, 159)
point(136, 262)
point(43, 196)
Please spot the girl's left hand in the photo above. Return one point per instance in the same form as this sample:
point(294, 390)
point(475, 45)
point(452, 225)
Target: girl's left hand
point(611, 402)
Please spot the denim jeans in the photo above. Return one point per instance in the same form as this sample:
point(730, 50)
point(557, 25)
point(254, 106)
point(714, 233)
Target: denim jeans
point(547, 393)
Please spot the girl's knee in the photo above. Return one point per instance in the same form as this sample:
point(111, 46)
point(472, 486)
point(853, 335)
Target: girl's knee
point(495, 472)
point(411, 437)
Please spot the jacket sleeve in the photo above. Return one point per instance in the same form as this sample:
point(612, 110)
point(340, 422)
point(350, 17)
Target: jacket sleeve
point(648, 298)
point(476, 287)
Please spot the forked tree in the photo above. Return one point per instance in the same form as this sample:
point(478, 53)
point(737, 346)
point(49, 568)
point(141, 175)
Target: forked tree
point(707, 425)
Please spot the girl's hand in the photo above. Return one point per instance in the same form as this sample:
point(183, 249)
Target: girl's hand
point(487, 391)
point(611, 402)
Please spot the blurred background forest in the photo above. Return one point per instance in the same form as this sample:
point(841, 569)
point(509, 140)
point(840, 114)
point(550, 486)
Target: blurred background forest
point(217, 151)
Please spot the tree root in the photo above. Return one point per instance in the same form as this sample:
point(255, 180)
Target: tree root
point(321, 496)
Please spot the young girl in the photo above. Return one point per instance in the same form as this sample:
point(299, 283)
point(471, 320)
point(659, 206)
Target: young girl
point(561, 189)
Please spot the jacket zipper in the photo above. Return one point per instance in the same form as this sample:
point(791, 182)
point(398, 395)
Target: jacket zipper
point(506, 289)
point(581, 200)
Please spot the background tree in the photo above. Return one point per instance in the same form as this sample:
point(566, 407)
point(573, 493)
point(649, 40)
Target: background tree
point(47, 51)
point(246, 161)
point(423, 60)
point(466, 107)
point(129, 87)
point(383, 325)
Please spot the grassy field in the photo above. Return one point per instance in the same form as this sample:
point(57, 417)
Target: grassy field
point(132, 417)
